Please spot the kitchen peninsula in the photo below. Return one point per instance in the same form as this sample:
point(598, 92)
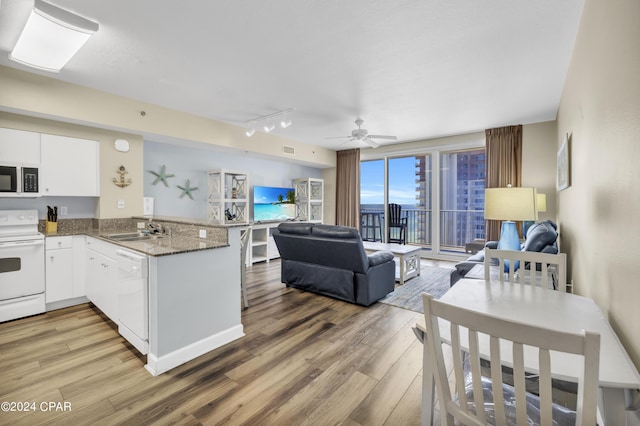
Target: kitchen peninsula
point(194, 293)
point(190, 303)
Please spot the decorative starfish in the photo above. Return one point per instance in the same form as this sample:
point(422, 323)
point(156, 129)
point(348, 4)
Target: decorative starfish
point(161, 176)
point(186, 189)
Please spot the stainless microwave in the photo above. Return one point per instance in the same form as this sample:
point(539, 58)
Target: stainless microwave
point(20, 181)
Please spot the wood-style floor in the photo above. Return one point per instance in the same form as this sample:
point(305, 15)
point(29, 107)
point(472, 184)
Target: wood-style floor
point(305, 360)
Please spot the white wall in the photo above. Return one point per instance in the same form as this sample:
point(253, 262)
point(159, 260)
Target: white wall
point(193, 163)
point(598, 213)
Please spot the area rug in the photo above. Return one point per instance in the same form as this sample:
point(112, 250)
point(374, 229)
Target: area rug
point(432, 280)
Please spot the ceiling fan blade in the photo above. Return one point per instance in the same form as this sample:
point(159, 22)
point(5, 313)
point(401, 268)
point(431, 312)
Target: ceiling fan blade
point(369, 142)
point(339, 137)
point(392, 138)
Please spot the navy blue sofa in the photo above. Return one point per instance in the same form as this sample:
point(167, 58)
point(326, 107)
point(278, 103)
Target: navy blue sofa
point(541, 237)
point(331, 260)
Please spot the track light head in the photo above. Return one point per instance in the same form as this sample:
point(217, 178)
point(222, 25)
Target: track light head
point(285, 123)
point(250, 131)
point(269, 127)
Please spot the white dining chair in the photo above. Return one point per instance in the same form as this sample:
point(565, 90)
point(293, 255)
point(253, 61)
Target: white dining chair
point(544, 269)
point(476, 402)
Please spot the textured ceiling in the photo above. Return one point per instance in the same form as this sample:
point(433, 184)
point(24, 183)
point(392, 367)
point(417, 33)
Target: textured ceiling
point(415, 69)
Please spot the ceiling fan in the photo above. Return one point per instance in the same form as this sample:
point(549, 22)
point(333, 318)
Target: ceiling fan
point(363, 135)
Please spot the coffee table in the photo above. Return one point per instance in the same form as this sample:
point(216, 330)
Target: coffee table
point(408, 257)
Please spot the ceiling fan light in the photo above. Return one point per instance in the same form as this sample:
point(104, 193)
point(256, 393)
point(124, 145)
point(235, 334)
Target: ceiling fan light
point(51, 37)
point(269, 127)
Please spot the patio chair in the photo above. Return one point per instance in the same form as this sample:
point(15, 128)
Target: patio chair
point(396, 221)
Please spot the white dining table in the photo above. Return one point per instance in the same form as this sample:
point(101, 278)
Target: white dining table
point(547, 308)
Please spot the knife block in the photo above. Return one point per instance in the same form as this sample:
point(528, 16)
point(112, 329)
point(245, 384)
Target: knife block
point(51, 227)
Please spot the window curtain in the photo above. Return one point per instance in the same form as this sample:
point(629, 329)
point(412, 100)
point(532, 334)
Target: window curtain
point(348, 188)
point(503, 165)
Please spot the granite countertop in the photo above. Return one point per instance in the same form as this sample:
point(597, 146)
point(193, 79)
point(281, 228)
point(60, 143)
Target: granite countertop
point(157, 247)
point(167, 245)
point(190, 221)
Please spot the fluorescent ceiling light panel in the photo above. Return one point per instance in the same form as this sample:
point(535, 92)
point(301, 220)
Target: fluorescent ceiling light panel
point(51, 37)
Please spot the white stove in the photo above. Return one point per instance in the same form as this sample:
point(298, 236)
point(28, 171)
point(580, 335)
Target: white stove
point(22, 282)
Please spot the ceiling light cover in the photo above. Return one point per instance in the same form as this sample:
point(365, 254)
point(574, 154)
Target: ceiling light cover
point(51, 37)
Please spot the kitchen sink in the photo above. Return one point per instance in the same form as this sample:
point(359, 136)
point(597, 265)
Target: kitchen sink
point(133, 236)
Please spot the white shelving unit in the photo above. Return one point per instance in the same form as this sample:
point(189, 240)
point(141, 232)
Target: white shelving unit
point(263, 246)
point(309, 199)
point(228, 191)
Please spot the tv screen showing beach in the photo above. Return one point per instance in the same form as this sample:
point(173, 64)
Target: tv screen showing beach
point(273, 204)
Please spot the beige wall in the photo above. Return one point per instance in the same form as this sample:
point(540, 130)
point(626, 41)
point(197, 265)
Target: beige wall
point(110, 160)
point(539, 162)
point(598, 213)
point(35, 95)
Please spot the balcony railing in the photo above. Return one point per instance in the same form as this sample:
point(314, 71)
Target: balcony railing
point(457, 227)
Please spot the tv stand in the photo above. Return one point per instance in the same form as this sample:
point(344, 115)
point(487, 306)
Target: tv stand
point(263, 248)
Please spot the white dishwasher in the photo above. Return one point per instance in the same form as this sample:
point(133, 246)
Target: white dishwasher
point(133, 298)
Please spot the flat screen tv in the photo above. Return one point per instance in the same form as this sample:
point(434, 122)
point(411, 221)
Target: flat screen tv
point(273, 204)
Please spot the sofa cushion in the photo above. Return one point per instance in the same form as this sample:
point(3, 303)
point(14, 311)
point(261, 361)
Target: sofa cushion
point(297, 228)
point(540, 235)
point(334, 231)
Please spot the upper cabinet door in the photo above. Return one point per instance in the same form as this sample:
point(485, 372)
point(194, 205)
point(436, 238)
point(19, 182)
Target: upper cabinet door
point(19, 146)
point(69, 167)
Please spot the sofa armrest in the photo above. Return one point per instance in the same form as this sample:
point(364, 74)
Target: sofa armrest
point(379, 257)
point(491, 244)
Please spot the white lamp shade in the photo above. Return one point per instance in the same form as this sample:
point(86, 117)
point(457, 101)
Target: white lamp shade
point(510, 204)
point(541, 202)
point(51, 37)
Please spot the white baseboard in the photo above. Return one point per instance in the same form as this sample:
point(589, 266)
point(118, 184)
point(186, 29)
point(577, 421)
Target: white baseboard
point(66, 303)
point(158, 365)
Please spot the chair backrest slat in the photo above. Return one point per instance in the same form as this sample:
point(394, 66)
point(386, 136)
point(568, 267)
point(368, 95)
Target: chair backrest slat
point(470, 331)
point(533, 268)
point(496, 381)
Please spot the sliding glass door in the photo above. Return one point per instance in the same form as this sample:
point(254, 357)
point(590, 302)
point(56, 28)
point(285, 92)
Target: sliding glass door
point(441, 193)
point(462, 183)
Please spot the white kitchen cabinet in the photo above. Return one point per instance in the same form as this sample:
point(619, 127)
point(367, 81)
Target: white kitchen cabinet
point(64, 271)
point(19, 146)
point(101, 276)
point(69, 166)
point(59, 269)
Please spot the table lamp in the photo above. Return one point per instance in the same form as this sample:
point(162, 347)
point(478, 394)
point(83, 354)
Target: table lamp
point(509, 205)
point(541, 206)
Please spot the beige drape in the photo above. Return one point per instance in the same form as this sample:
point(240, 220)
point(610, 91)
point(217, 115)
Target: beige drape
point(348, 188)
point(503, 165)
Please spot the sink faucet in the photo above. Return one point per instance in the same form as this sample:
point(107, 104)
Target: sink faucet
point(155, 228)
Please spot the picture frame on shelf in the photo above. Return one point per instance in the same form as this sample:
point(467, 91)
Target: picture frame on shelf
point(563, 165)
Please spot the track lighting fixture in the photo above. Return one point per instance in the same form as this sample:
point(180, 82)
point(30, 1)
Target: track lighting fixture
point(286, 121)
point(269, 121)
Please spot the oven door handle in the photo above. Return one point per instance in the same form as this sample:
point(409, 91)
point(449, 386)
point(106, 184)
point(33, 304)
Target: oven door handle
point(22, 243)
